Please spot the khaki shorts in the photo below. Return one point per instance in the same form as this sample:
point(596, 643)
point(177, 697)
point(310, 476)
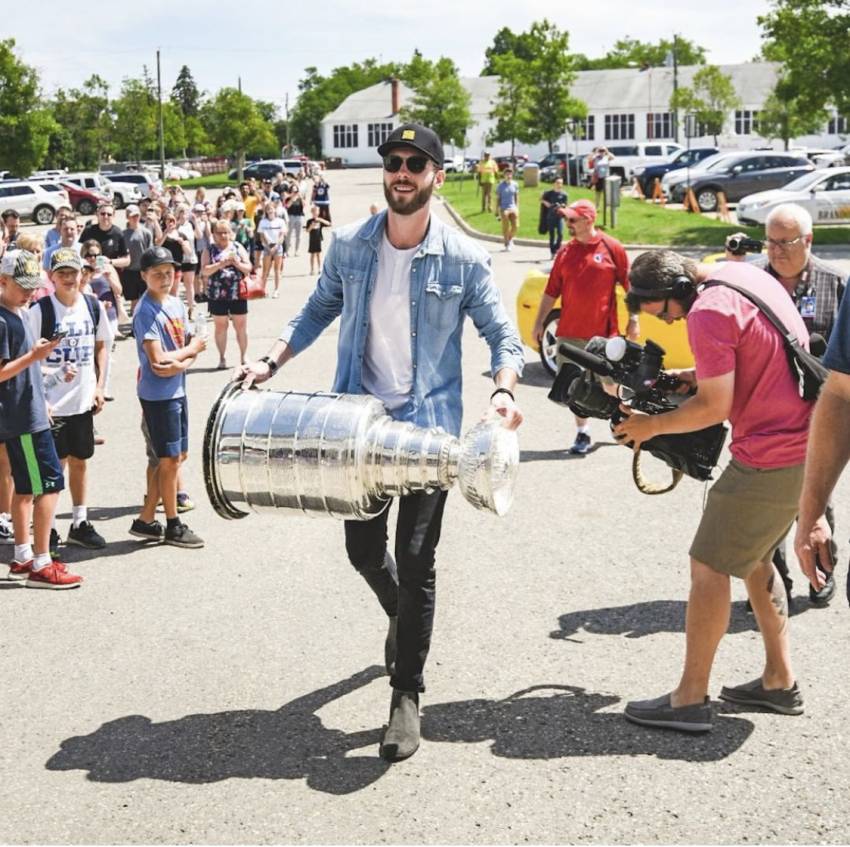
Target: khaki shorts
point(748, 513)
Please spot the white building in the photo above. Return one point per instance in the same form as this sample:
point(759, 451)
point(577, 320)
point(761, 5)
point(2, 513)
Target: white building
point(623, 105)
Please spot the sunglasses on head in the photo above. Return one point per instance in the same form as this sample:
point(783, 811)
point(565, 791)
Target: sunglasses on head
point(415, 164)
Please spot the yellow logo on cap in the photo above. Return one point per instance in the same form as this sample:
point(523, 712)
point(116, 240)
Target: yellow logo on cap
point(31, 267)
point(408, 134)
point(65, 254)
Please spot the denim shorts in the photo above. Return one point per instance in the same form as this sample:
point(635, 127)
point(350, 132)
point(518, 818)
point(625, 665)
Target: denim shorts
point(166, 427)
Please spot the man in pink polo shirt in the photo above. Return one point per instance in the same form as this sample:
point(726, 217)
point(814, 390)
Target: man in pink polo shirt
point(743, 376)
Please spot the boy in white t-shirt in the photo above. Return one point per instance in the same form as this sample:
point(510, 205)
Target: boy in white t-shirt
point(74, 380)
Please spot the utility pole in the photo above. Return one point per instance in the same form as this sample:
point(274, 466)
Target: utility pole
point(675, 88)
point(286, 113)
point(239, 83)
point(161, 132)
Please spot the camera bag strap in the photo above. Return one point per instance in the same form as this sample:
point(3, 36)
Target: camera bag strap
point(809, 373)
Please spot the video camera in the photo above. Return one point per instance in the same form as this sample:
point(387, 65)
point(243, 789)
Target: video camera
point(739, 244)
point(643, 385)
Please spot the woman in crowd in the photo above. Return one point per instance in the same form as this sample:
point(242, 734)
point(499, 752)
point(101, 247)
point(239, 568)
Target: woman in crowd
point(187, 234)
point(314, 227)
point(224, 264)
point(272, 232)
point(295, 206)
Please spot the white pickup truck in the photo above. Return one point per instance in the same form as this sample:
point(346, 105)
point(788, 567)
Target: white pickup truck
point(628, 156)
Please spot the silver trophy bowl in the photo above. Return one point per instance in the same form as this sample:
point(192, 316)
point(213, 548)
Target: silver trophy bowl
point(341, 455)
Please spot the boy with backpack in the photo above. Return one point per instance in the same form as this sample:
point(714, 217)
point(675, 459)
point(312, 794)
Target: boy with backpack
point(74, 373)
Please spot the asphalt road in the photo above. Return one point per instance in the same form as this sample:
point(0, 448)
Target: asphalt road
point(235, 695)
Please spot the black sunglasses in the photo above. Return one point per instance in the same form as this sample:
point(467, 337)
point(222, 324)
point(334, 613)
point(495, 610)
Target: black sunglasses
point(415, 164)
point(91, 255)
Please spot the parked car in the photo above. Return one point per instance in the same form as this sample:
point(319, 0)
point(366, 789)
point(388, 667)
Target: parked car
point(94, 182)
point(673, 182)
point(453, 164)
point(30, 200)
point(84, 200)
point(647, 174)
point(672, 337)
point(143, 180)
point(627, 157)
point(824, 193)
point(745, 174)
point(554, 165)
point(123, 193)
point(266, 169)
point(517, 162)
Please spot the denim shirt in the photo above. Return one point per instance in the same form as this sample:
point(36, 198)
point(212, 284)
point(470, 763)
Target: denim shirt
point(450, 278)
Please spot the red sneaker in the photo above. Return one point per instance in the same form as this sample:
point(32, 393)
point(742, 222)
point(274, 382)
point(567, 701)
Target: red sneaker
point(19, 570)
point(55, 575)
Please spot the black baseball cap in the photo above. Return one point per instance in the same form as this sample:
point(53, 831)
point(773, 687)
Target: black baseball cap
point(154, 256)
point(419, 138)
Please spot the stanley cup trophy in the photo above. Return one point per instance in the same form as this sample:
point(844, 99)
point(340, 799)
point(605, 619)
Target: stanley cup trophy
point(342, 455)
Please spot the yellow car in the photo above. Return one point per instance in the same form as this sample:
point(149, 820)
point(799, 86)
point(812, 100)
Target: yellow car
point(672, 337)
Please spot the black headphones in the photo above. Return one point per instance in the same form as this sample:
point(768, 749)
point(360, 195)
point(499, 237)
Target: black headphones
point(682, 289)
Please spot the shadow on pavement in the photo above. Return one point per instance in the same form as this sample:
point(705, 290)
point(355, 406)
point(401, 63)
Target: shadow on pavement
point(290, 743)
point(650, 618)
point(568, 723)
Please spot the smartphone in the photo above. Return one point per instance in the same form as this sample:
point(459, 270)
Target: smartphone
point(59, 334)
point(100, 262)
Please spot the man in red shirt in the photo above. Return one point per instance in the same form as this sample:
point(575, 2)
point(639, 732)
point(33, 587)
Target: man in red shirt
point(584, 274)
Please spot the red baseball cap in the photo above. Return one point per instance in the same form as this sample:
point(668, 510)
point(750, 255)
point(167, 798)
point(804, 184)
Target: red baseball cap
point(580, 209)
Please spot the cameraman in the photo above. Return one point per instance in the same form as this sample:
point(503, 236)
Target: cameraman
point(744, 376)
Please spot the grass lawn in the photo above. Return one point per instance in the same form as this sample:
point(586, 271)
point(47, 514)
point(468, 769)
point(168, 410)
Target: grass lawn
point(208, 181)
point(638, 222)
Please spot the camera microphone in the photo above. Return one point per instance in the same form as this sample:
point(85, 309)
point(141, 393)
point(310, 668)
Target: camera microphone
point(817, 345)
point(595, 364)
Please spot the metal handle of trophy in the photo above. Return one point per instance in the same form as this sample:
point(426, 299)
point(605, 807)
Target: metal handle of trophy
point(488, 465)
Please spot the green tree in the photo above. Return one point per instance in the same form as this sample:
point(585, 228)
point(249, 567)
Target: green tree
point(85, 138)
point(788, 113)
point(136, 132)
point(710, 98)
point(441, 103)
point(631, 53)
point(185, 93)
point(549, 76)
point(809, 38)
point(320, 95)
point(236, 126)
point(25, 123)
point(507, 42)
point(512, 111)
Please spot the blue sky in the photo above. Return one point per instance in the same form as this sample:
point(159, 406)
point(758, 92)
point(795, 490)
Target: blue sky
point(270, 44)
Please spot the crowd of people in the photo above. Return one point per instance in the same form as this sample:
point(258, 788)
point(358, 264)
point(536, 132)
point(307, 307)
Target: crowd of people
point(67, 299)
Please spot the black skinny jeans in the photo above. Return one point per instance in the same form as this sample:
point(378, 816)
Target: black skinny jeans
point(420, 517)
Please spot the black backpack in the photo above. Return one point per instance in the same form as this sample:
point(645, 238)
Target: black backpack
point(48, 314)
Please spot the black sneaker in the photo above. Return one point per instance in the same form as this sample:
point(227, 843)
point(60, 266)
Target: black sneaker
point(581, 444)
point(149, 531)
point(182, 536)
point(53, 547)
point(85, 535)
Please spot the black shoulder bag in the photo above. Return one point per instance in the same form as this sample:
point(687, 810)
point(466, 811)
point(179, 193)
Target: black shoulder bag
point(808, 370)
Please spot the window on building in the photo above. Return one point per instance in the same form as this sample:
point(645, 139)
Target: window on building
point(378, 133)
point(585, 128)
point(618, 127)
point(746, 122)
point(659, 125)
point(345, 135)
point(838, 125)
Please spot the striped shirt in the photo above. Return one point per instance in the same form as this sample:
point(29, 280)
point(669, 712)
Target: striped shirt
point(822, 281)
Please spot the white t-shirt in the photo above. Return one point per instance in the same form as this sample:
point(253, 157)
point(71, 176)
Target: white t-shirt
point(274, 229)
point(76, 396)
point(388, 358)
point(188, 232)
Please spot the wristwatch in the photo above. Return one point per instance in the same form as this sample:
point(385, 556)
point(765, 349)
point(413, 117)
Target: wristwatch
point(273, 365)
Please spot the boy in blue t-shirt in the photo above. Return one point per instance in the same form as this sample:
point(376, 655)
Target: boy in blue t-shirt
point(25, 428)
point(160, 328)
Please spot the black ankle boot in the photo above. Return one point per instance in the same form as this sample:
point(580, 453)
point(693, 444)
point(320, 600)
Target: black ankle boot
point(401, 739)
